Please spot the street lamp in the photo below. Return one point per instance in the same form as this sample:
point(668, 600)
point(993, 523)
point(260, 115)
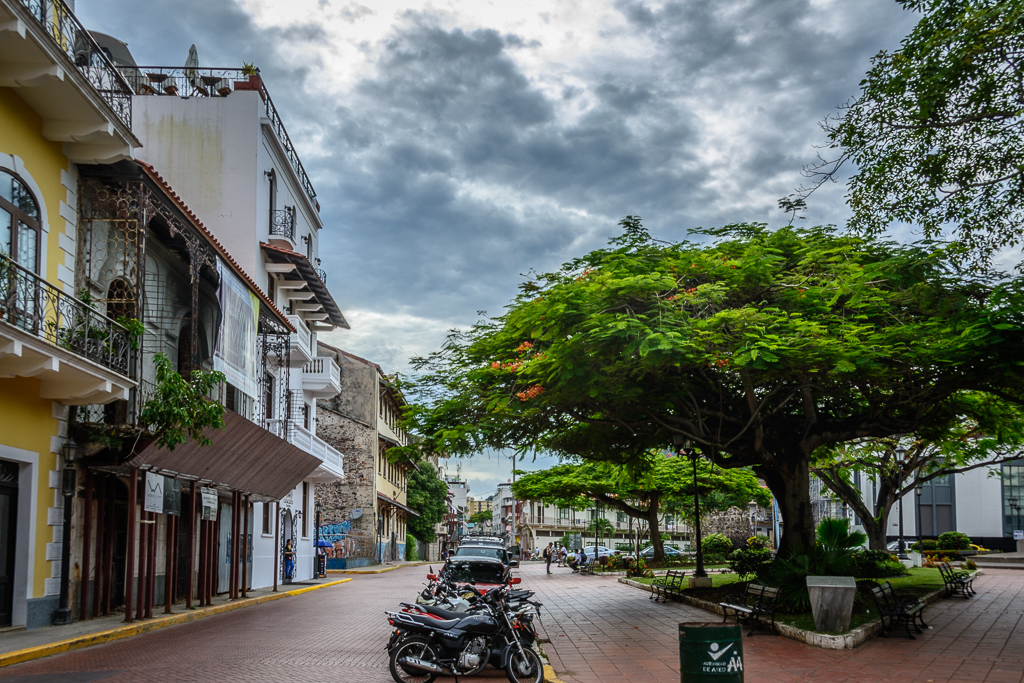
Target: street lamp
point(918, 490)
point(1015, 504)
point(901, 455)
point(752, 505)
point(69, 484)
point(317, 509)
point(685, 447)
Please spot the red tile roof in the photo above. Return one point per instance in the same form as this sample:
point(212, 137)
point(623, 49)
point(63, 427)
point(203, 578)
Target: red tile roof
point(205, 232)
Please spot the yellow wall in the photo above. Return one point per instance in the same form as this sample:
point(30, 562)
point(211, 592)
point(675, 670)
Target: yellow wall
point(21, 135)
point(27, 422)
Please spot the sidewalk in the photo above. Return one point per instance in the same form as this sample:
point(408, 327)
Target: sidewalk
point(381, 568)
point(22, 646)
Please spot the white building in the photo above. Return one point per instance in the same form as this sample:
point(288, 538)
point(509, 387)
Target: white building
point(219, 141)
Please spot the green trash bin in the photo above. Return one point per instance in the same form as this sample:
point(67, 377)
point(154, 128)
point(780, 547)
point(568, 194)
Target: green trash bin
point(710, 652)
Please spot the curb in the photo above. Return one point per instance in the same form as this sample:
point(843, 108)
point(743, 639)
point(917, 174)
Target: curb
point(845, 641)
point(378, 571)
point(549, 675)
point(100, 637)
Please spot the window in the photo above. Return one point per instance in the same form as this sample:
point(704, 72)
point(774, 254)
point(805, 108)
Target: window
point(266, 518)
point(19, 222)
point(305, 509)
point(270, 287)
point(305, 416)
point(563, 513)
point(620, 516)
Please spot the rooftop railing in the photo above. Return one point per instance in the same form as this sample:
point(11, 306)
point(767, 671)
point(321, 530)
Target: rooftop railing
point(74, 40)
point(202, 82)
point(33, 305)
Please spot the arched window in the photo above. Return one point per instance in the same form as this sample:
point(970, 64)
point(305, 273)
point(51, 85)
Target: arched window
point(120, 300)
point(19, 221)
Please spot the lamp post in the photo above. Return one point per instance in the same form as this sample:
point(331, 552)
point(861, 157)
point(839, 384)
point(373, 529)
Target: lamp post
point(686, 448)
point(317, 508)
point(752, 505)
point(69, 484)
point(901, 454)
point(919, 489)
point(1015, 505)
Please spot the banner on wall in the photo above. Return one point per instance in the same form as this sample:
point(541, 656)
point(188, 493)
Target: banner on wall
point(234, 353)
point(154, 499)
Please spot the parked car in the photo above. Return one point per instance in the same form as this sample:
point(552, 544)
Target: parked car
point(482, 572)
point(490, 551)
point(670, 552)
point(602, 551)
point(894, 546)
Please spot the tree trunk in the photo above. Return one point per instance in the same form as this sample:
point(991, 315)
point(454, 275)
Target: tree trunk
point(652, 522)
point(874, 528)
point(790, 483)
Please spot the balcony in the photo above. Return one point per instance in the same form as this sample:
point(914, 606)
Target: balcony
point(198, 82)
point(282, 226)
point(330, 468)
point(79, 355)
point(59, 70)
point(321, 377)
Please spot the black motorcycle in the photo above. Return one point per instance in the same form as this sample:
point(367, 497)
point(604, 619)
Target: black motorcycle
point(423, 647)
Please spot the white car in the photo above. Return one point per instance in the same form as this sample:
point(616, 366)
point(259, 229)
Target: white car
point(602, 551)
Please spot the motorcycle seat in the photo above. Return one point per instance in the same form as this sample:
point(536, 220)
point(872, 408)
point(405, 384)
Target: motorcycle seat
point(426, 620)
point(447, 614)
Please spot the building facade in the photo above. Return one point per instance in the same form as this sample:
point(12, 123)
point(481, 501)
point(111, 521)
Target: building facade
point(365, 515)
point(62, 104)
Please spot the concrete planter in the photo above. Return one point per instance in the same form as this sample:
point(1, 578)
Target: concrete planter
point(831, 601)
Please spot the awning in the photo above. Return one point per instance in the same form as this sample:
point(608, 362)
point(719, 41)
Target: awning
point(392, 501)
point(303, 270)
point(243, 457)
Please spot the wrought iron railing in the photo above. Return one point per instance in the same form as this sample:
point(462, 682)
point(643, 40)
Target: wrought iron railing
point(33, 305)
point(74, 40)
point(322, 274)
point(203, 82)
point(282, 222)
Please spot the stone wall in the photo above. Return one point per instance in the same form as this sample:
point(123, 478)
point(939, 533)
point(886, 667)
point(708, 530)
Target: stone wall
point(357, 443)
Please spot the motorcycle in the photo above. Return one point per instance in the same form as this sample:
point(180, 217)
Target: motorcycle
point(423, 646)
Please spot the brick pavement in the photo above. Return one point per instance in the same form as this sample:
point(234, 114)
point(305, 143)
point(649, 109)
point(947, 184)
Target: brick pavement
point(602, 631)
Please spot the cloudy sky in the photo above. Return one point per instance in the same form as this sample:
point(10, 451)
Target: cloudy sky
point(455, 145)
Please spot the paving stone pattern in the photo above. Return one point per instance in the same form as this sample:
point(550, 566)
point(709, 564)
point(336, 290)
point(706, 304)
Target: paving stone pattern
point(601, 631)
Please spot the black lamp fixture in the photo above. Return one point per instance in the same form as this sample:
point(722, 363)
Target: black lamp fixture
point(69, 484)
point(1015, 505)
point(919, 490)
point(685, 447)
point(901, 456)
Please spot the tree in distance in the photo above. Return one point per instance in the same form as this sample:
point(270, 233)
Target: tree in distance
point(666, 482)
point(936, 133)
point(427, 494)
point(481, 517)
point(989, 433)
point(761, 347)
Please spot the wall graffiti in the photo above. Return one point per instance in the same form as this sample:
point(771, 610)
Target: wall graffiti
point(344, 543)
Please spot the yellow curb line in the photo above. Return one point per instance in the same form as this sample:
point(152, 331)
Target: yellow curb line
point(549, 675)
point(120, 632)
point(378, 571)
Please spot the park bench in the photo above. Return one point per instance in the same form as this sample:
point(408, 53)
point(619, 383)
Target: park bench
point(755, 605)
point(587, 567)
point(898, 608)
point(956, 581)
point(669, 585)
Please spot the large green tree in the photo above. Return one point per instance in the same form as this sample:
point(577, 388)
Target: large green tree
point(936, 132)
point(661, 482)
point(990, 432)
point(427, 494)
point(761, 347)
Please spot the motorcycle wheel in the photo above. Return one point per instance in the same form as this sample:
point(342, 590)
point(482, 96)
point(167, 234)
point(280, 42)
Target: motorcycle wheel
point(524, 668)
point(412, 647)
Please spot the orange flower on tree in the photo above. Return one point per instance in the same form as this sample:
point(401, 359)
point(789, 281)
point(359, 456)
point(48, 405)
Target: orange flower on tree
point(533, 392)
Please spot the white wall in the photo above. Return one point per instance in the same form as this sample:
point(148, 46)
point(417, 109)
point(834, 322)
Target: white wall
point(979, 503)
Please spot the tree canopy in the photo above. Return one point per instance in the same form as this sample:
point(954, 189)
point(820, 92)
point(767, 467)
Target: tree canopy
point(482, 516)
point(936, 131)
point(989, 432)
point(762, 347)
point(427, 494)
point(665, 481)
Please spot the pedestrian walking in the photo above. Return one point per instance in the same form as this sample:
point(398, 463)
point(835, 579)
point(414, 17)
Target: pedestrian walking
point(549, 553)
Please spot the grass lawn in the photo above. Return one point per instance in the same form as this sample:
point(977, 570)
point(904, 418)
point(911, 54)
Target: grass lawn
point(919, 581)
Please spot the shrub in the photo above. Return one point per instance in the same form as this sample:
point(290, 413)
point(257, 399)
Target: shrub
point(876, 564)
point(954, 540)
point(970, 564)
point(716, 544)
point(758, 543)
point(749, 561)
point(410, 548)
point(925, 544)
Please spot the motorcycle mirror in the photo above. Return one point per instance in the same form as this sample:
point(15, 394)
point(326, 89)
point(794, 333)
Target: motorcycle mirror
point(515, 581)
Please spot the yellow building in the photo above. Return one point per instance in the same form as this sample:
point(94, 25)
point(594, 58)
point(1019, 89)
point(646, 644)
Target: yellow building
point(61, 103)
point(480, 505)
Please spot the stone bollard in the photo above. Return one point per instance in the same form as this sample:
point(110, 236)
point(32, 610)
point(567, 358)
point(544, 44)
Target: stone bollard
point(831, 602)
